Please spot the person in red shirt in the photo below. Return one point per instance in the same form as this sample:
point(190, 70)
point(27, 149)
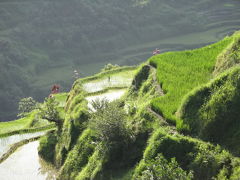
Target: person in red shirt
point(156, 51)
point(55, 89)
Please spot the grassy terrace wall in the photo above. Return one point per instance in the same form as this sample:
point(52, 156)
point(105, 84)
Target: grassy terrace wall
point(212, 112)
point(180, 72)
point(229, 57)
point(22, 123)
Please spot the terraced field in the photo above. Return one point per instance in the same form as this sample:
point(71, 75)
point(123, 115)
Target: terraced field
point(42, 46)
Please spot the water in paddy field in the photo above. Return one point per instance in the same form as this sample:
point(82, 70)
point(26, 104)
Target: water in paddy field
point(114, 81)
point(110, 96)
point(25, 164)
point(7, 142)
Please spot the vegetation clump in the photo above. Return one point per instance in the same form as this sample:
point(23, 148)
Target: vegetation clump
point(202, 160)
point(49, 111)
point(109, 122)
point(109, 67)
point(161, 169)
point(26, 105)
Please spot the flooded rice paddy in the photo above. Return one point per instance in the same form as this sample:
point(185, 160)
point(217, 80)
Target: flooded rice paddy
point(7, 142)
point(25, 164)
point(114, 81)
point(110, 96)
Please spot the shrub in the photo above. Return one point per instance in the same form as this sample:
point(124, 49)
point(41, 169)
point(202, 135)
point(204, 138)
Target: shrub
point(203, 159)
point(162, 169)
point(109, 123)
point(228, 58)
point(25, 106)
point(49, 111)
point(109, 67)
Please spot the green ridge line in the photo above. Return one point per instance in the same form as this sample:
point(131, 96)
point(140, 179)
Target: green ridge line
point(29, 130)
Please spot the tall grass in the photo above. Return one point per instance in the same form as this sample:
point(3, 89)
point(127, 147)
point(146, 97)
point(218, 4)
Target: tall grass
point(180, 72)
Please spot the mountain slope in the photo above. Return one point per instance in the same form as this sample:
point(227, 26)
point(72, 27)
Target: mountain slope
point(43, 42)
point(127, 139)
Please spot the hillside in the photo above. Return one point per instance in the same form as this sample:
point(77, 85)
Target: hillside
point(157, 124)
point(42, 42)
point(163, 119)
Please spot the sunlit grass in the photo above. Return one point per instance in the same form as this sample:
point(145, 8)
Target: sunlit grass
point(15, 125)
point(31, 121)
point(180, 72)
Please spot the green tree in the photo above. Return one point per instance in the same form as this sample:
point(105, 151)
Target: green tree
point(110, 66)
point(25, 106)
point(49, 111)
point(109, 122)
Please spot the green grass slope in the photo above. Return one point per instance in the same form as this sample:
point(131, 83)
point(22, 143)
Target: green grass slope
point(180, 72)
point(22, 123)
point(212, 111)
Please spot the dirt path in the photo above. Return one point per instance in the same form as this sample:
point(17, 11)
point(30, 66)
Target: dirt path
point(161, 93)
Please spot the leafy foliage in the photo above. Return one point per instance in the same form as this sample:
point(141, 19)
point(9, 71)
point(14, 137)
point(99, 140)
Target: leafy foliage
point(204, 160)
point(49, 111)
point(110, 66)
point(109, 122)
point(78, 157)
point(161, 169)
point(26, 105)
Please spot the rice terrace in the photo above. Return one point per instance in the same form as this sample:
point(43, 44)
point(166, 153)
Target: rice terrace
point(120, 90)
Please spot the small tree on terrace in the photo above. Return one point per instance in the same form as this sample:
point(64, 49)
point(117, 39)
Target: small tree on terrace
point(49, 111)
point(109, 122)
point(25, 106)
